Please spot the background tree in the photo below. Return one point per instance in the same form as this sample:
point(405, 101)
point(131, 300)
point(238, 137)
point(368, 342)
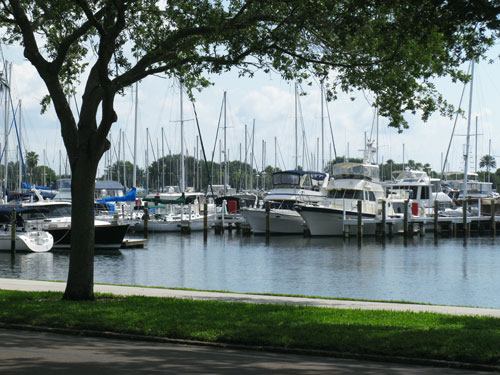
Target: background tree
point(488, 162)
point(43, 175)
point(394, 49)
point(31, 163)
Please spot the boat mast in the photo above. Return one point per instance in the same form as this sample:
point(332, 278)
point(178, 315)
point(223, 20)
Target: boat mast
point(275, 154)
point(163, 161)
point(246, 152)
point(251, 156)
point(147, 160)
point(466, 169)
point(134, 172)
point(322, 131)
point(182, 142)
point(20, 148)
point(225, 145)
point(119, 155)
point(475, 153)
point(296, 130)
point(123, 159)
point(6, 142)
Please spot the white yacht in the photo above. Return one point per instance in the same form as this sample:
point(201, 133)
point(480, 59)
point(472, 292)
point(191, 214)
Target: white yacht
point(289, 188)
point(352, 182)
point(454, 182)
point(421, 189)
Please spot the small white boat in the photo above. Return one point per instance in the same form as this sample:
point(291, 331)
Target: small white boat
point(174, 224)
point(36, 241)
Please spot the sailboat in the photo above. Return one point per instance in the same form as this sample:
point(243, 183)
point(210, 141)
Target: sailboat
point(182, 208)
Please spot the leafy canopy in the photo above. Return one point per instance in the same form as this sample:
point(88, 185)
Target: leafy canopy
point(393, 48)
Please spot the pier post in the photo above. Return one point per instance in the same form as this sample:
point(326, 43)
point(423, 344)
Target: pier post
point(464, 217)
point(146, 219)
point(268, 221)
point(384, 216)
point(421, 229)
point(493, 222)
point(436, 219)
point(405, 219)
point(205, 220)
point(13, 232)
point(360, 219)
point(346, 231)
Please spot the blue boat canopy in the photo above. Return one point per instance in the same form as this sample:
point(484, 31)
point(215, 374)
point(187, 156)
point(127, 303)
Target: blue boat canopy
point(129, 197)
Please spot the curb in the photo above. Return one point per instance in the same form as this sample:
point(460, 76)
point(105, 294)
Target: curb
point(295, 351)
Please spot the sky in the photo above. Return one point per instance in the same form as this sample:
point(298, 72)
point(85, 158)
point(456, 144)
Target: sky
point(268, 101)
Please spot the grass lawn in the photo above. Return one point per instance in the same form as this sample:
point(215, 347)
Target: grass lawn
point(385, 333)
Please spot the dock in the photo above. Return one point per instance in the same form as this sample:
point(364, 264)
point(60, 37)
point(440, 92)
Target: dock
point(133, 243)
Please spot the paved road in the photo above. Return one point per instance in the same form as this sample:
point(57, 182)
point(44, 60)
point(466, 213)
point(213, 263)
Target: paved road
point(24, 352)
point(33, 285)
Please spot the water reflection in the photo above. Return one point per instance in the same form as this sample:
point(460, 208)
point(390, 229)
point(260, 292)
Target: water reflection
point(416, 269)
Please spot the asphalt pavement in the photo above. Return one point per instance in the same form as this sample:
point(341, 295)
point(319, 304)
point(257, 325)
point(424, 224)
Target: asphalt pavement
point(25, 352)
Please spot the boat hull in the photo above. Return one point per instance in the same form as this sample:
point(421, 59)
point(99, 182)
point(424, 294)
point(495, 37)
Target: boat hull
point(32, 241)
point(324, 221)
point(108, 237)
point(173, 225)
point(280, 221)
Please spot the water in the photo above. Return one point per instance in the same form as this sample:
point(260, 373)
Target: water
point(448, 272)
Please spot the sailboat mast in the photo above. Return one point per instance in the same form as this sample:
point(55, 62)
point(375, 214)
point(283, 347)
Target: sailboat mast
point(163, 161)
point(123, 158)
point(475, 153)
point(147, 160)
point(322, 131)
point(182, 142)
point(225, 145)
point(8, 68)
point(251, 156)
point(246, 152)
point(466, 169)
point(296, 130)
point(20, 147)
point(134, 173)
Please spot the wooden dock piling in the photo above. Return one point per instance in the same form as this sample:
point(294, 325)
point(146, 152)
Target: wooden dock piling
point(205, 221)
point(360, 219)
point(405, 219)
point(268, 221)
point(146, 219)
point(384, 217)
point(436, 219)
point(493, 222)
point(464, 218)
point(13, 231)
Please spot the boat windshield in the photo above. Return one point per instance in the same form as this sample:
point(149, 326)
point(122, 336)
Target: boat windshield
point(286, 179)
point(52, 211)
point(349, 170)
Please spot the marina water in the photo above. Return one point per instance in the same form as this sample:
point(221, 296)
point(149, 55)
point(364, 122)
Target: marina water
point(452, 271)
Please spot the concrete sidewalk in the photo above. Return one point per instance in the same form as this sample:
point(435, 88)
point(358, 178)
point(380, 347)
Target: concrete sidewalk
point(44, 286)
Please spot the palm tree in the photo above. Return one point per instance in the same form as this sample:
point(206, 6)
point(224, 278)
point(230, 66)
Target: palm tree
point(489, 162)
point(31, 162)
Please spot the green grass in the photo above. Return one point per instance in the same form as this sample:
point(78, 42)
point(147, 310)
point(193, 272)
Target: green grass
point(394, 334)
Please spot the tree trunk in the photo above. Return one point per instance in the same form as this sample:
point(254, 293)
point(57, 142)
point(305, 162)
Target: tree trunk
point(80, 285)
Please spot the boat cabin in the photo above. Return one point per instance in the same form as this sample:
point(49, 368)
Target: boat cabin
point(299, 180)
point(355, 171)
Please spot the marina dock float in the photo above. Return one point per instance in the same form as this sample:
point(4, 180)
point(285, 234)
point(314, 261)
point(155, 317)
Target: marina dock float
point(445, 224)
point(133, 243)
